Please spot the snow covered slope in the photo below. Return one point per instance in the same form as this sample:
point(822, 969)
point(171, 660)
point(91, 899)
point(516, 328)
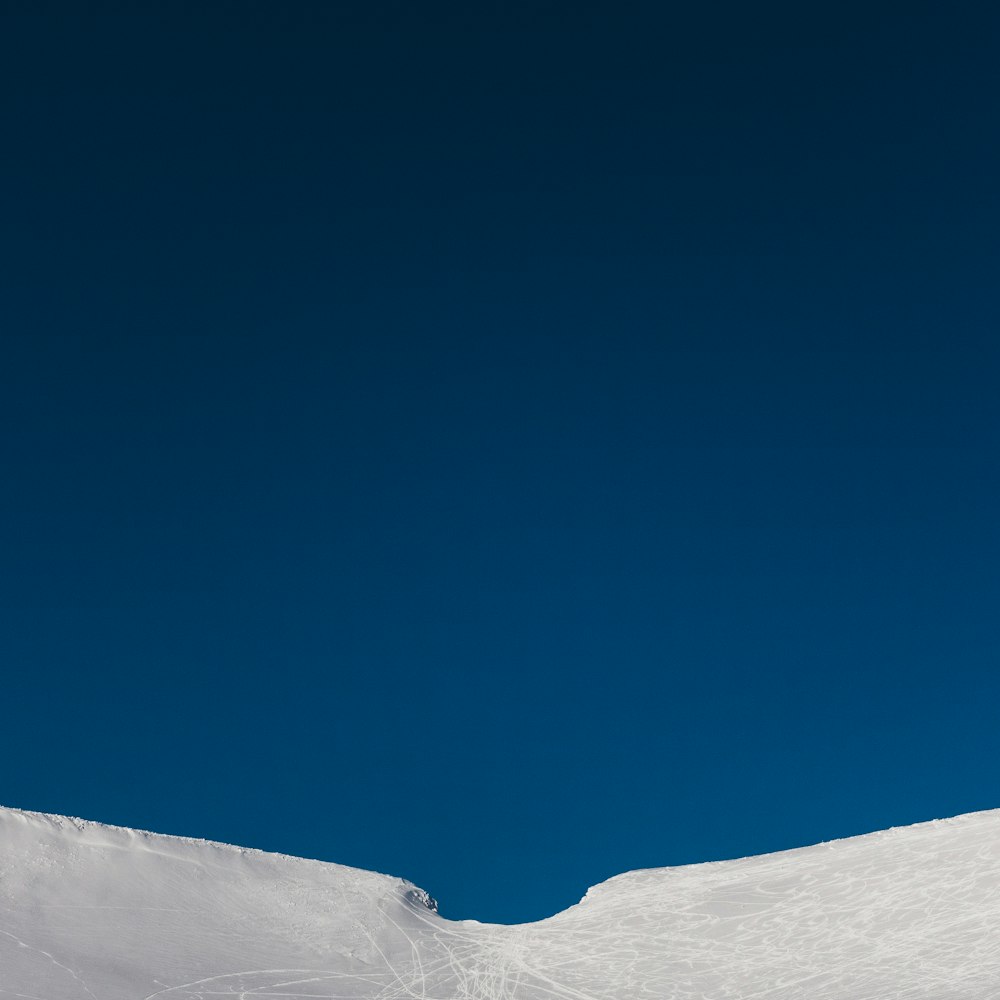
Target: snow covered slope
point(91, 912)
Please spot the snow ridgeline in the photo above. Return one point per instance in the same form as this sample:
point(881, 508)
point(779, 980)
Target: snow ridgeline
point(93, 912)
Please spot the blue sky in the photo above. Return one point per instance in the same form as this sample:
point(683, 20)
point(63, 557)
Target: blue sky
point(501, 446)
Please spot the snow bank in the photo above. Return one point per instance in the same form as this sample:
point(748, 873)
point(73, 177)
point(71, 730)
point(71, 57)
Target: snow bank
point(92, 912)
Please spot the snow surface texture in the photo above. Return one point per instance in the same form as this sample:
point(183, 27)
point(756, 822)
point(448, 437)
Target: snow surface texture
point(92, 912)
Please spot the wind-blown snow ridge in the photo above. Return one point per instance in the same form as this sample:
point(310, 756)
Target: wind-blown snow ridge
point(76, 822)
point(96, 912)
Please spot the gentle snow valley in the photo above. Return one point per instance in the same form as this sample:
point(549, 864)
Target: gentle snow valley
point(93, 912)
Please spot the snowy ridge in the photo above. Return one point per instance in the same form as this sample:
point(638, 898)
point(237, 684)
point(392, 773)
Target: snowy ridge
point(118, 835)
point(95, 912)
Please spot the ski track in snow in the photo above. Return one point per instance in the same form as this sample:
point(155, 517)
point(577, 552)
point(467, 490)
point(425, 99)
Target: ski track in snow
point(89, 912)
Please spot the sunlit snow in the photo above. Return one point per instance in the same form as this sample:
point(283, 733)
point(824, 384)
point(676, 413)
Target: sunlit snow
point(91, 912)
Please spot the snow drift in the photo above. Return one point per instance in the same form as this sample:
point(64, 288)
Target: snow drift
point(92, 912)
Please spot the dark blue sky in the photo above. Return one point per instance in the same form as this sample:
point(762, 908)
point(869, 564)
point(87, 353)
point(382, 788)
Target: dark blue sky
point(501, 445)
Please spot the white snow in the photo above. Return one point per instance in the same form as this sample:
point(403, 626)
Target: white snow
point(92, 912)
